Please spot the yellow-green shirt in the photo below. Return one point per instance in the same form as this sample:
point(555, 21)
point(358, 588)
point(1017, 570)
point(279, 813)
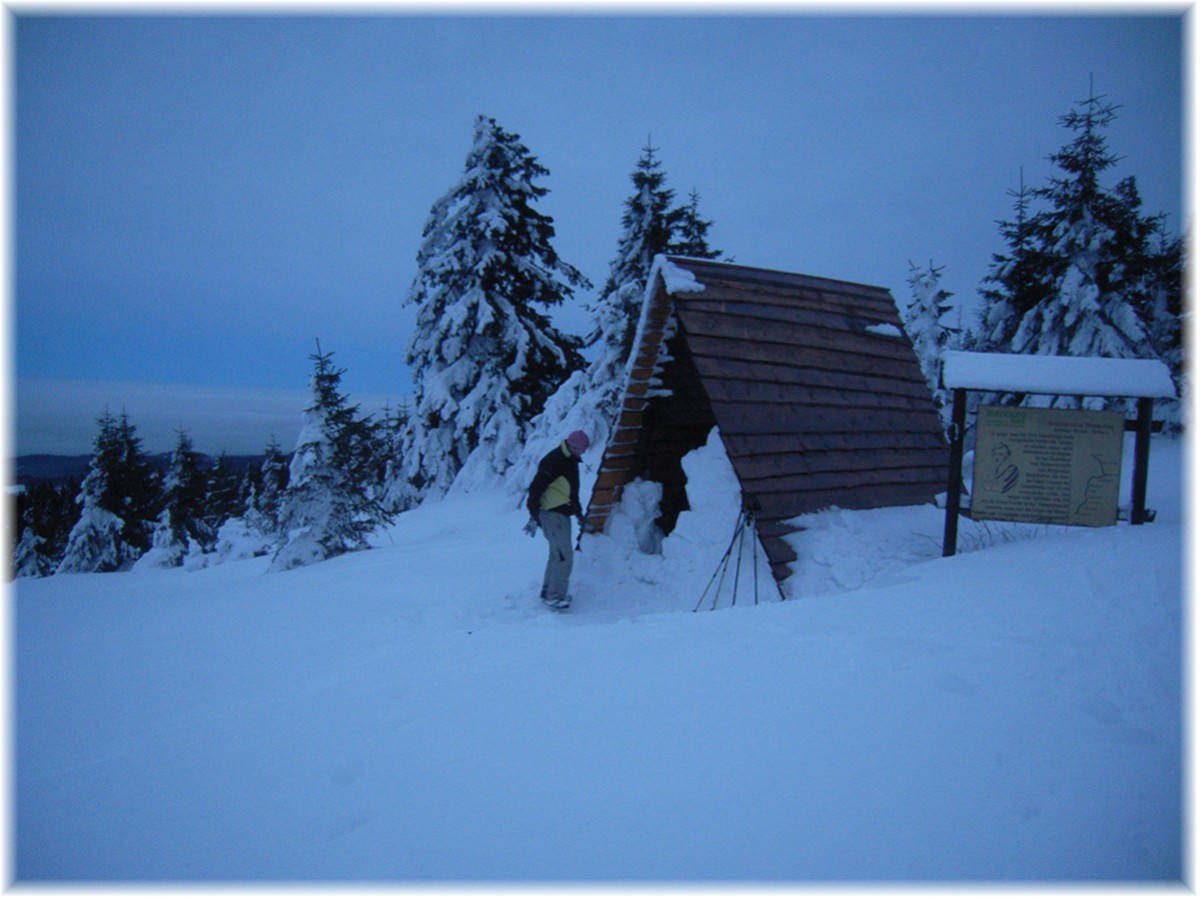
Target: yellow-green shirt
point(559, 491)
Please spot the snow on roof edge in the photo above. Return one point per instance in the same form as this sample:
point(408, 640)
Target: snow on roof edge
point(676, 279)
point(1084, 375)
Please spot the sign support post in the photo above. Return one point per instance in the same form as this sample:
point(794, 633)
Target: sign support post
point(958, 427)
point(1141, 460)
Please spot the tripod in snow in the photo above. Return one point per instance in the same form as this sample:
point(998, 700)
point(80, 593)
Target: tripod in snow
point(745, 525)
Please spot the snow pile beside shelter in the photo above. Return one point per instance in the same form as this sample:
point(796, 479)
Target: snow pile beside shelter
point(633, 555)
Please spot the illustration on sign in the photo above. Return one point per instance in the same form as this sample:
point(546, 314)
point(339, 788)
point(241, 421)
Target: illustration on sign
point(1055, 466)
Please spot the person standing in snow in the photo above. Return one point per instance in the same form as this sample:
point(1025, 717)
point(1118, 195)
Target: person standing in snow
point(553, 499)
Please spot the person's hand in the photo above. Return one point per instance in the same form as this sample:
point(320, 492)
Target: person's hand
point(531, 527)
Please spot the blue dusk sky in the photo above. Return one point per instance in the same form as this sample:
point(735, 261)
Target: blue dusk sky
point(199, 198)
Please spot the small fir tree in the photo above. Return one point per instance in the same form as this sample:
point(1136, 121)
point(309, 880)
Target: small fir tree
point(1163, 314)
point(224, 495)
point(262, 508)
point(930, 336)
point(30, 557)
point(118, 499)
point(181, 526)
point(396, 489)
point(46, 512)
point(692, 232)
point(330, 505)
point(1164, 298)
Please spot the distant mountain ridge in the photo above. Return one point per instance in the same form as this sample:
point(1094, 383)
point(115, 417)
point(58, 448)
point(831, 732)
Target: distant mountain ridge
point(37, 467)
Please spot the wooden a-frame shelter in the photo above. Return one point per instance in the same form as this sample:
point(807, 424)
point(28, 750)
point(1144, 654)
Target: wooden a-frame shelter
point(814, 385)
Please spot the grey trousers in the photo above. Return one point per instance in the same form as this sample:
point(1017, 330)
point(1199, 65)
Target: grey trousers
point(557, 528)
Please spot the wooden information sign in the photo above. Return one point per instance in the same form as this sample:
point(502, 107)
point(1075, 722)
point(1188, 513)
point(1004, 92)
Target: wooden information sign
point(1070, 471)
point(1057, 466)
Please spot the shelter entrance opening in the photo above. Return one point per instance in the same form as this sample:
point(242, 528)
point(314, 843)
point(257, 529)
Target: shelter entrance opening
point(676, 420)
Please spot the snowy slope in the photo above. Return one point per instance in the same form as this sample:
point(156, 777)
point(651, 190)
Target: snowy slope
point(411, 713)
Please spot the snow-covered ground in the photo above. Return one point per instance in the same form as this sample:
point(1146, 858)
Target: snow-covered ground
point(412, 714)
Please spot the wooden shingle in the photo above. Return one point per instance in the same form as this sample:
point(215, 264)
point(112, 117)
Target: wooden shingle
point(819, 398)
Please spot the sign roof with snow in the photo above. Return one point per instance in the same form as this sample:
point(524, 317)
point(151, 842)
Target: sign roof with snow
point(815, 389)
point(1066, 375)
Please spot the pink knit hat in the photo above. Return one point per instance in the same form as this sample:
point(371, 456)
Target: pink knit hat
point(577, 442)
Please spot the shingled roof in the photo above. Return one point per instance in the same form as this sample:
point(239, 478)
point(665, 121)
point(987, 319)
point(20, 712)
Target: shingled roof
point(815, 387)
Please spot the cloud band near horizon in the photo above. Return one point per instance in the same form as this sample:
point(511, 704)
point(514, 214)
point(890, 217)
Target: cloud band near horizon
point(59, 416)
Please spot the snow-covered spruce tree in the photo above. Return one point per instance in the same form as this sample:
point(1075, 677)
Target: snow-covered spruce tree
point(30, 558)
point(46, 512)
point(393, 431)
point(251, 527)
point(1163, 312)
point(1096, 249)
point(262, 507)
point(1164, 298)
point(181, 528)
point(484, 355)
point(930, 336)
point(119, 500)
point(1017, 279)
point(330, 505)
point(224, 494)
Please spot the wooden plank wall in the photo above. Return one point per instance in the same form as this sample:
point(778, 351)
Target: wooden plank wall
point(621, 460)
point(815, 410)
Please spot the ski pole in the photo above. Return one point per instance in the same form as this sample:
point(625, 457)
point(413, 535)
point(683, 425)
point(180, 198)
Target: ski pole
point(754, 553)
point(737, 572)
point(722, 567)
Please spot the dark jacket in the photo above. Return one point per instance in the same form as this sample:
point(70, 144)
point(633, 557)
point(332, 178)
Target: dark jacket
point(558, 463)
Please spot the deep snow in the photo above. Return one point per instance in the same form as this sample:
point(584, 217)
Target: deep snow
point(412, 714)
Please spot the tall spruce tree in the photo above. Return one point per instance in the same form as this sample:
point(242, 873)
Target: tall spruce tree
point(330, 505)
point(484, 354)
point(650, 226)
point(119, 502)
point(1082, 276)
point(1095, 248)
